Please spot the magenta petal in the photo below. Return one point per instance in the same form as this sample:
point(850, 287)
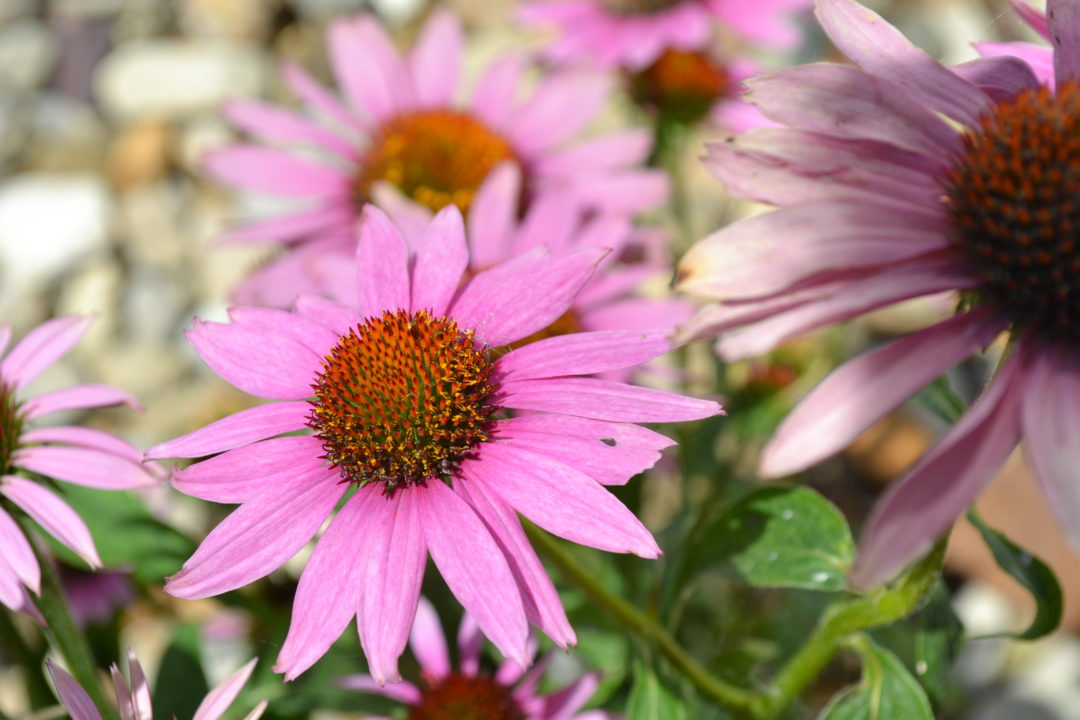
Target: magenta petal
point(563, 704)
point(291, 226)
point(53, 514)
point(1035, 18)
point(436, 60)
point(332, 315)
point(240, 474)
point(562, 500)
point(1002, 78)
point(75, 699)
point(616, 149)
point(604, 400)
point(315, 337)
point(561, 106)
point(582, 354)
point(83, 466)
point(316, 96)
point(276, 172)
point(319, 614)
point(220, 698)
point(266, 364)
point(391, 580)
point(12, 592)
point(276, 123)
point(382, 274)
point(495, 95)
point(440, 260)
point(403, 692)
point(924, 504)
point(470, 642)
point(1063, 18)
point(18, 554)
point(474, 568)
point(41, 347)
point(236, 430)
point(493, 214)
point(82, 437)
point(77, 398)
point(428, 642)
point(1038, 58)
point(260, 535)
point(368, 68)
point(863, 390)
point(140, 689)
point(625, 191)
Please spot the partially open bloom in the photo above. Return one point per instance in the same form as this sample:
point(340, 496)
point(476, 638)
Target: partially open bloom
point(400, 133)
point(901, 178)
point(406, 395)
point(70, 454)
point(468, 692)
point(133, 695)
point(634, 33)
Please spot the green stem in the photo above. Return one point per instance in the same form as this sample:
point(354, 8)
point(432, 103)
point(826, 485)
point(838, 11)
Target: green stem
point(670, 141)
point(641, 624)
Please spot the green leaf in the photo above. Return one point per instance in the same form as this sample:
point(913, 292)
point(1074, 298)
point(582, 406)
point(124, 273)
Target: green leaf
point(181, 685)
point(887, 690)
point(650, 699)
point(1029, 571)
point(939, 398)
point(781, 537)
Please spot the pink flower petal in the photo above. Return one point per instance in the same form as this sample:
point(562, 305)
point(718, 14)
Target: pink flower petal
point(331, 315)
point(493, 214)
point(616, 149)
point(495, 95)
point(260, 535)
point(470, 641)
point(863, 390)
point(276, 123)
point(1002, 78)
point(408, 216)
point(1063, 19)
point(563, 704)
point(562, 500)
point(604, 400)
point(402, 692)
point(436, 60)
point(265, 170)
point(552, 220)
point(83, 466)
point(140, 689)
point(77, 398)
point(291, 226)
point(12, 592)
point(1035, 18)
point(1038, 58)
point(474, 568)
point(315, 337)
point(82, 437)
point(41, 347)
point(53, 514)
point(75, 699)
point(18, 554)
point(879, 48)
point(924, 504)
point(562, 105)
point(395, 569)
point(440, 260)
point(240, 474)
point(582, 354)
point(382, 274)
point(328, 594)
point(220, 698)
point(626, 191)
point(368, 68)
point(236, 430)
point(5, 337)
point(428, 642)
point(316, 96)
point(266, 364)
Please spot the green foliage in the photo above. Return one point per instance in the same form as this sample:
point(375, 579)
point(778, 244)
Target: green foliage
point(887, 690)
point(651, 699)
point(181, 685)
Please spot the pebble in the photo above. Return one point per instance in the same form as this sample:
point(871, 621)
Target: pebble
point(27, 53)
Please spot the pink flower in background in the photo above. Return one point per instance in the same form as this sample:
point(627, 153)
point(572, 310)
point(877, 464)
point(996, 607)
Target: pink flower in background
point(71, 454)
point(134, 700)
point(897, 179)
point(470, 692)
point(410, 389)
point(634, 33)
point(400, 133)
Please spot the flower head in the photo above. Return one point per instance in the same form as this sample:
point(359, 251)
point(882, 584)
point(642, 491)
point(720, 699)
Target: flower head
point(134, 700)
point(70, 454)
point(896, 179)
point(408, 395)
point(470, 693)
point(399, 134)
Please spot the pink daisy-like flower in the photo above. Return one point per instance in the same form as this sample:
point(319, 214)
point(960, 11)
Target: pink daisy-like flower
point(470, 693)
point(407, 417)
point(901, 178)
point(400, 132)
point(72, 454)
point(635, 33)
point(134, 701)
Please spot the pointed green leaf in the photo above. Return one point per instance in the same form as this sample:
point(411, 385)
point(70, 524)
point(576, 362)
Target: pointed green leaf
point(887, 690)
point(650, 699)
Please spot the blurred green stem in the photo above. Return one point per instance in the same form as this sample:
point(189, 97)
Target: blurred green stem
point(37, 690)
point(669, 143)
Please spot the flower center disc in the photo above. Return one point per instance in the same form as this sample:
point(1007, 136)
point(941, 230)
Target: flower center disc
point(436, 157)
point(681, 84)
point(638, 7)
point(10, 426)
point(459, 697)
point(402, 398)
point(1014, 202)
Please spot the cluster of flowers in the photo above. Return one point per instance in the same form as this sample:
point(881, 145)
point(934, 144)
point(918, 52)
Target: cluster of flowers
point(447, 339)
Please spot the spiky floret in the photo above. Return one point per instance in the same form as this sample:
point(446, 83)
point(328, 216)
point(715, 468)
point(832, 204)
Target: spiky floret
point(402, 398)
point(464, 697)
point(1014, 204)
point(436, 157)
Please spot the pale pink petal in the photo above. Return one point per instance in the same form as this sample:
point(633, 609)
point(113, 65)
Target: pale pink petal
point(332, 315)
point(506, 306)
point(879, 48)
point(562, 500)
point(1063, 18)
point(435, 61)
point(236, 430)
point(263, 169)
point(615, 149)
point(18, 554)
point(291, 226)
point(79, 397)
point(474, 568)
point(263, 363)
point(123, 694)
point(603, 400)
point(924, 504)
point(642, 314)
point(82, 437)
point(563, 704)
point(428, 642)
point(83, 466)
point(220, 698)
point(470, 642)
point(1038, 58)
point(315, 337)
point(552, 220)
point(257, 711)
point(12, 592)
point(316, 96)
point(75, 699)
point(582, 354)
point(495, 95)
point(140, 689)
point(368, 67)
point(1002, 78)
point(403, 692)
point(53, 514)
point(240, 474)
point(382, 274)
point(319, 614)
point(561, 106)
point(260, 535)
point(626, 191)
point(863, 390)
point(41, 347)
point(276, 123)
point(440, 260)
point(391, 580)
point(408, 216)
point(492, 215)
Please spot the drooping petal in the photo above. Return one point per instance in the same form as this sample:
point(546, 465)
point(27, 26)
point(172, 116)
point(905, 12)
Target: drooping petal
point(75, 699)
point(18, 554)
point(1035, 18)
point(428, 642)
point(220, 698)
point(563, 704)
point(1038, 58)
point(263, 363)
point(236, 430)
point(1063, 19)
point(470, 643)
point(41, 347)
point(240, 474)
point(83, 466)
point(435, 61)
point(276, 172)
point(140, 689)
point(382, 273)
point(440, 260)
point(603, 400)
point(1002, 78)
point(77, 398)
point(582, 354)
point(53, 514)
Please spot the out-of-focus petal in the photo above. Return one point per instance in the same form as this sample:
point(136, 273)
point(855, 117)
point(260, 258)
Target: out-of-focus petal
point(220, 698)
point(75, 699)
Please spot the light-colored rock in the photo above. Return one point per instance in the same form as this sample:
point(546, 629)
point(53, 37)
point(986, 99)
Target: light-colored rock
point(326, 9)
point(245, 19)
point(139, 154)
point(27, 53)
point(67, 136)
point(176, 78)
